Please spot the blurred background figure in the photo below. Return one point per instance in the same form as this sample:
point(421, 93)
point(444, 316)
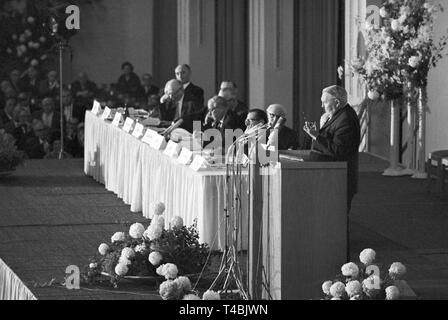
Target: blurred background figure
point(83, 90)
point(147, 88)
point(129, 82)
point(37, 145)
point(50, 86)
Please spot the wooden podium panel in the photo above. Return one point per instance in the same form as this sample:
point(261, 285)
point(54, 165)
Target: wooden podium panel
point(304, 227)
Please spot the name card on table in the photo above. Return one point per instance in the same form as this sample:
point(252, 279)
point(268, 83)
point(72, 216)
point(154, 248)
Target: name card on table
point(198, 163)
point(118, 119)
point(106, 113)
point(172, 149)
point(138, 130)
point(96, 109)
point(185, 157)
point(154, 140)
point(128, 124)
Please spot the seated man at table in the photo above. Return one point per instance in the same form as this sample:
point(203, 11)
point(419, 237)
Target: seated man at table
point(177, 110)
point(223, 119)
point(229, 91)
point(279, 133)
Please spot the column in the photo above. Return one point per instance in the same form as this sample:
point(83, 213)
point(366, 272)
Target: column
point(271, 52)
point(196, 42)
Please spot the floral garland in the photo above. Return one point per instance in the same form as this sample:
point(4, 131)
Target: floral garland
point(401, 51)
point(152, 252)
point(357, 282)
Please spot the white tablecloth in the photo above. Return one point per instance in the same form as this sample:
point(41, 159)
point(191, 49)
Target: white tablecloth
point(141, 175)
point(11, 287)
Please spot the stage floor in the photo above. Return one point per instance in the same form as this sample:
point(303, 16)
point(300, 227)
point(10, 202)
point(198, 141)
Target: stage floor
point(52, 216)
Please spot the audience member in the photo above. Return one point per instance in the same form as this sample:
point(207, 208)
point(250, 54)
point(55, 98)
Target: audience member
point(50, 86)
point(83, 90)
point(37, 145)
point(30, 82)
point(71, 108)
point(129, 82)
point(6, 113)
point(49, 117)
point(147, 88)
point(24, 100)
point(255, 117)
point(14, 80)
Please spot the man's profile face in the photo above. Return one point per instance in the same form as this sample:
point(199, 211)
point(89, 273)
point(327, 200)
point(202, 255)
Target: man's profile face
point(252, 121)
point(329, 103)
point(183, 74)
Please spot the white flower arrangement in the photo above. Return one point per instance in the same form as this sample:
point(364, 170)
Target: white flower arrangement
point(121, 270)
point(392, 293)
point(337, 290)
point(103, 249)
point(153, 232)
point(350, 270)
point(191, 297)
point(401, 50)
point(177, 222)
point(128, 253)
point(365, 281)
point(353, 288)
point(211, 295)
point(155, 258)
point(326, 287)
point(125, 261)
point(169, 290)
point(118, 236)
point(136, 231)
point(367, 256)
point(158, 208)
point(93, 265)
point(168, 270)
point(183, 283)
point(397, 270)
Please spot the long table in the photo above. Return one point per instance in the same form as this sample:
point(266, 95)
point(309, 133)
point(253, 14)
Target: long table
point(141, 175)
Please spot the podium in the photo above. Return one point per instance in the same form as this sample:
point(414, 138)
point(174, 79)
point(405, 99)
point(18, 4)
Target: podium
point(303, 229)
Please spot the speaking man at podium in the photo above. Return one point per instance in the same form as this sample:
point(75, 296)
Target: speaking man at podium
point(338, 138)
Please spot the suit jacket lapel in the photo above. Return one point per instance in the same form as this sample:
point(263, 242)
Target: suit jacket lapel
point(333, 119)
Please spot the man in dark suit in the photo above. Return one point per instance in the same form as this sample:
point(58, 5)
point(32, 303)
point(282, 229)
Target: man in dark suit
point(83, 90)
point(147, 88)
point(50, 118)
point(72, 108)
point(279, 134)
point(178, 109)
point(222, 118)
point(339, 137)
point(229, 91)
point(192, 92)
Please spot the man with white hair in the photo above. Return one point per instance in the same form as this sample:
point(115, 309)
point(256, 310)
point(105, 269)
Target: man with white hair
point(179, 110)
point(339, 136)
point(286, 137)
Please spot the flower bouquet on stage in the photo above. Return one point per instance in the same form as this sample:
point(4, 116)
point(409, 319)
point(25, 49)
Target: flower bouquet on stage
point(366, 281)
point(149, 254)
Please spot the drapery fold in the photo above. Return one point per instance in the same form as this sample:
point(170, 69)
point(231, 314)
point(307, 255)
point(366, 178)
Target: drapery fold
point(11, 287)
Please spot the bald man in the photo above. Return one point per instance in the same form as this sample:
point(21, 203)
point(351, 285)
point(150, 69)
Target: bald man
point(287, 138)
point(339, 136)
point(192, 92)
point(177, 107)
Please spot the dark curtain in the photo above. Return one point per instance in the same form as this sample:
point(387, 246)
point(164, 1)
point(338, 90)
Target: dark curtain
point(231, 44)
point(318, 51)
